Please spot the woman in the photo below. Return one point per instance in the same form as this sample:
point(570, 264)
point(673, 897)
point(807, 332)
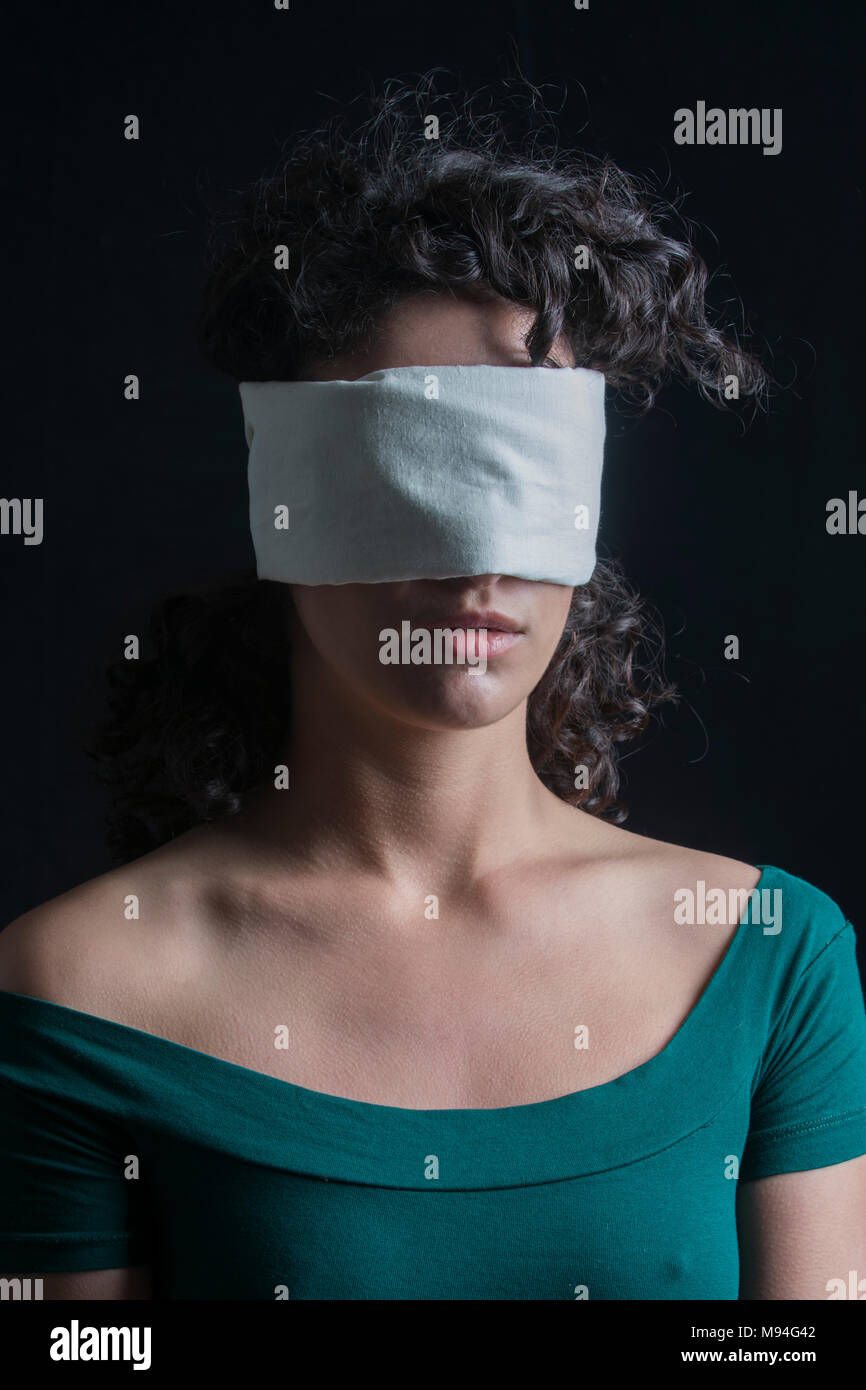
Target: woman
point(382, 1002)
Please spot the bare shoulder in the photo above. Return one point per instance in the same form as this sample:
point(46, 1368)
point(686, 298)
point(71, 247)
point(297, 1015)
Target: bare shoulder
point(690, 879)
point(111, 944)
point(680, 867)
point(648, 861)
point(649, 881)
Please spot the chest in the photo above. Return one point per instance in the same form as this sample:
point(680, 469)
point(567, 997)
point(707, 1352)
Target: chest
point(620, 1234)
point(466, 1021)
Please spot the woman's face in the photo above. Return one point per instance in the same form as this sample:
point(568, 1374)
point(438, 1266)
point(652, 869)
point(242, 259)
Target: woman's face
point(341, 623)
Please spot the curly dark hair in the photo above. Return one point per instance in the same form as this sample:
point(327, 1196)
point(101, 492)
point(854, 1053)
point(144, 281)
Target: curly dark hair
point(371, 214)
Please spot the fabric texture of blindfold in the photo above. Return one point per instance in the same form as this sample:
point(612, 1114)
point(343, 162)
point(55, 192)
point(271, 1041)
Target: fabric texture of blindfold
point(426, 473)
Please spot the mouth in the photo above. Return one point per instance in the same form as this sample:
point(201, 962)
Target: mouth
point(494, 633)
point(486, 618)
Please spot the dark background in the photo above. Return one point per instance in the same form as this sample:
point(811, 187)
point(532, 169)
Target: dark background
point(722, 529)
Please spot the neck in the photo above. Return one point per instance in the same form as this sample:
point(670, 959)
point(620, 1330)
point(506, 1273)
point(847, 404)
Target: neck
point(371, 792)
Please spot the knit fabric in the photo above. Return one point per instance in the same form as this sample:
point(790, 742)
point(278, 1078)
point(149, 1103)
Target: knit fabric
point(250, 1187)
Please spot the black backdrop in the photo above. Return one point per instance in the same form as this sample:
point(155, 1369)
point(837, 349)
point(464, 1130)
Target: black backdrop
point(722, 529)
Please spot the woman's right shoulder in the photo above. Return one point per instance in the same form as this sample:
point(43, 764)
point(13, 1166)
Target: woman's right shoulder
point(106, 944)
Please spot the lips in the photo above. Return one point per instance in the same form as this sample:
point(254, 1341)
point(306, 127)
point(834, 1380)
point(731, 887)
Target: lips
point(486, 618)
point(496, 633)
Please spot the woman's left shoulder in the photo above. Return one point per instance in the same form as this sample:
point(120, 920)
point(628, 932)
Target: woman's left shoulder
point(662, 867)
point(804, 914)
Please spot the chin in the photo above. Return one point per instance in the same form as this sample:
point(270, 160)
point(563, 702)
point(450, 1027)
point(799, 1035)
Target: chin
point(456, 700)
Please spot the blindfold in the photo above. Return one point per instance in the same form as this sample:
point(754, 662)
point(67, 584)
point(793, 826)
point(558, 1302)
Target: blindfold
point(426, 473)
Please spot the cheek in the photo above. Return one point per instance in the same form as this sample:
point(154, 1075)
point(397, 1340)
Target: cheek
point(341, 628)
point(551, 616)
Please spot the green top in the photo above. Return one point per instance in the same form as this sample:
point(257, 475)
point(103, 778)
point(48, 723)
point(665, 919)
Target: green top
point(250, 1187)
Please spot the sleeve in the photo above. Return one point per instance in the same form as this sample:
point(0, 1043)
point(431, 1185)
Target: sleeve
point(809, 1104)
point(65, 1203)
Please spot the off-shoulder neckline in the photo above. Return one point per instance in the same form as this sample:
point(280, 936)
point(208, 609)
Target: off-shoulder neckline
point(679, 1039)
